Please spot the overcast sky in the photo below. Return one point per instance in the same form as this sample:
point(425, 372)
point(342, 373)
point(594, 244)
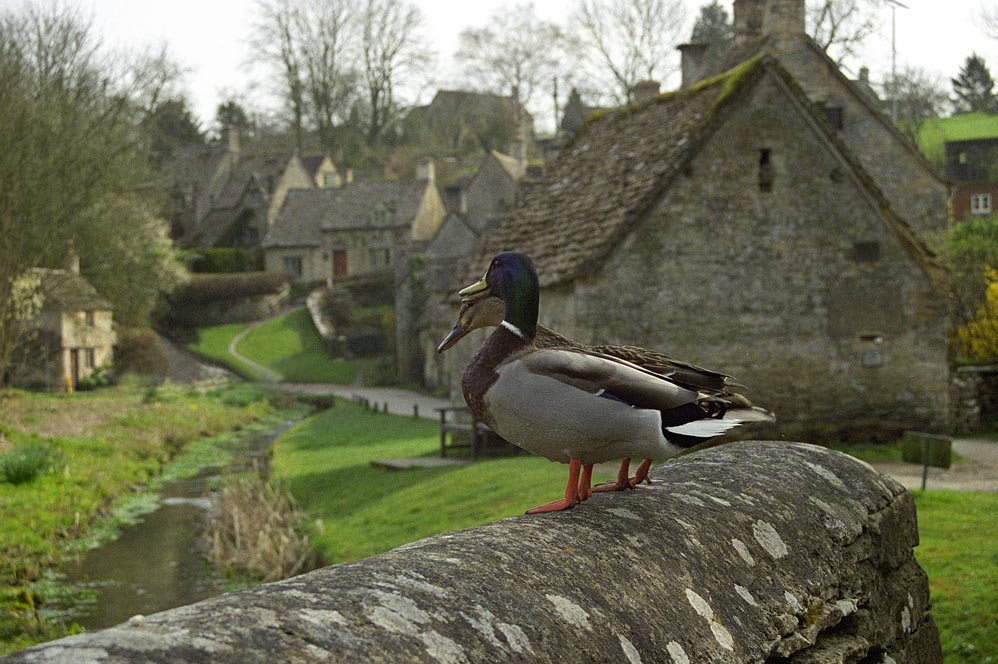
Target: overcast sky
point(209, 36)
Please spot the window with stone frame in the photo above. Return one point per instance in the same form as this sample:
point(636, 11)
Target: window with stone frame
point(835, 116)
point(89, 318)
point(293, 265)
point(980, 204)
point(89, 358)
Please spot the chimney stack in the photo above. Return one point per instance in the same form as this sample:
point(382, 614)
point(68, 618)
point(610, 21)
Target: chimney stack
point(232, 136)
point(748, 20)
point(691, 58)
point(73, 262)
point(645, 91)
point(425, 170)
point(784, 19)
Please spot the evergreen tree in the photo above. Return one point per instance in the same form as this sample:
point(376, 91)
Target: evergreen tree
point(713, 27)
point(974, 87)
point(230, 113)
point(171, 125)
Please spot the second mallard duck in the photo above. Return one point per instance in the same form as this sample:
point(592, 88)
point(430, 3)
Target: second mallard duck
point(579, 406)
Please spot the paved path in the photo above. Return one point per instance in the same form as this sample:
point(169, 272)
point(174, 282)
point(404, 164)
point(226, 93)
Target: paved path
point(400, 401)
point(268, 375)
point(978, 471)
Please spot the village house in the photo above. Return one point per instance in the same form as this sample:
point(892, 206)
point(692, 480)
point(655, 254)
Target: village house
point(732, 225)
point(75, 330)
point(460, 121)
point(225, 197)
point(323, 235)
point(973, 166)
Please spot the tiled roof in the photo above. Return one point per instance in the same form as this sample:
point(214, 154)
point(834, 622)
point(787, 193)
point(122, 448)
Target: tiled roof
point(68, 291)
point(307, 212)
point(606, 177)
point(621, 162)
point(516, 168)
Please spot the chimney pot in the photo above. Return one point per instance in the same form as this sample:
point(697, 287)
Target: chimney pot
point(646, 91)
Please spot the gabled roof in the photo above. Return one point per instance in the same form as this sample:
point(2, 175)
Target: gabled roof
point(620, 163)
point(312, 163)
point(308, 212)
point(68, 291)
point(516, 168)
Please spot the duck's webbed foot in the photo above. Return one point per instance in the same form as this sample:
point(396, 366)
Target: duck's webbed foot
point(641, 474)
point(618, 484)
point(571, 498)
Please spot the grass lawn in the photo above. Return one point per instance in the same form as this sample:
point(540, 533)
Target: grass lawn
point(104, 444)
point(360, 511)
point(213, 343)
point(291, 346)
point(935, 132)
point(959, 552)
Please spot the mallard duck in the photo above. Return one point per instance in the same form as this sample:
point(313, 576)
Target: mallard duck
point(485, 310)
point(574, 405)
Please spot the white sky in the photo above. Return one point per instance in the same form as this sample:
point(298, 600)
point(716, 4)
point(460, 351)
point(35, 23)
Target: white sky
point(209, 37)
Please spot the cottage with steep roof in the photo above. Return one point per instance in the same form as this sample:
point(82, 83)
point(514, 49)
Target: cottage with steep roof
point(731, 225)
point(326, 235)
point(76, 330)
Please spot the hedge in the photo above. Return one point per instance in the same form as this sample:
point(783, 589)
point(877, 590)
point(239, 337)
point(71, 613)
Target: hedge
point(206, 288)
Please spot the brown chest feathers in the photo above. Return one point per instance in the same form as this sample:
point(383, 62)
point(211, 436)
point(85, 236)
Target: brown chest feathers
point(481, 372)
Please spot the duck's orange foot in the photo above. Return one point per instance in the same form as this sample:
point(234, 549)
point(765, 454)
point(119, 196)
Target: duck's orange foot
point(554, 506)
point(641, 474)
point(618, 484)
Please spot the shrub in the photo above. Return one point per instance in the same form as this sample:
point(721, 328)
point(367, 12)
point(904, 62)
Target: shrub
point(25, 462)
point(101, 377)
point(224, 260)
point(206, 288)
point(140, 351)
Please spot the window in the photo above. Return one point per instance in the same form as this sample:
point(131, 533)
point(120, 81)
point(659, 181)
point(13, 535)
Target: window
point(89, 318)
point(765, 170)
point(330, 180)
point(88, 358)
point(980, 204)
point(836, 116)
point(866, 252)
point(293, 265)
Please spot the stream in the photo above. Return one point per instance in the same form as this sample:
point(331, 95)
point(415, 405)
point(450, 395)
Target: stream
point(158, 563)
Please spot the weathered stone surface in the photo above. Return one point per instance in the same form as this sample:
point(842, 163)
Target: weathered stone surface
point(750, 552)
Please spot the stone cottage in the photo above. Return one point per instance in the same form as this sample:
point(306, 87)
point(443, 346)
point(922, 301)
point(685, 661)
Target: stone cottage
point(326, 235)
point(76, 333)
point(776, 27)
point(732, 225)
point(462, 121)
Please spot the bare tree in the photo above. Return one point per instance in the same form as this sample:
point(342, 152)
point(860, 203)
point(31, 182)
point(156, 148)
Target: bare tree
point(329, 57)
point(393, 49)
point(918, 96)
point(632, 40)
point(276, 43)
point(842, 26)
point(515, 51)
point(989, 18)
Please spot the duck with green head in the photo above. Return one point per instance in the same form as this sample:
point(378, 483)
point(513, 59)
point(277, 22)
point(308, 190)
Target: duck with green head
point(575, 405)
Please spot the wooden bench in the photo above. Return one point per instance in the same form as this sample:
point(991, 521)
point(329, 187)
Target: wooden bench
point(478, 431)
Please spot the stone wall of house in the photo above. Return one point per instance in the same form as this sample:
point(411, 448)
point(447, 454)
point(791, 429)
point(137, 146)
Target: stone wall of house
point(492, 190)
point(771, 286)
point(315, 263)
point(752, 552)
point(912, 190)
point(369, 250)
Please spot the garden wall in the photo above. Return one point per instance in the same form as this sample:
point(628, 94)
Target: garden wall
point(749, 552)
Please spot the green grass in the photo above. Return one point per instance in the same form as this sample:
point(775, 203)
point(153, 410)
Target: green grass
point(291, 346)
point(934, 133)
point(959, 552)
point(105, 444)
point(213, 343)
point(362, 510)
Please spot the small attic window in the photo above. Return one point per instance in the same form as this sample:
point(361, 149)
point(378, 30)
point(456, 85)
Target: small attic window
point(765, 170)
point(835, 116)
point(866, 252)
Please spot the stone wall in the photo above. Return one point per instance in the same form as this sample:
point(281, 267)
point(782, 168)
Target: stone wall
point(750, 552)
point(973, 398)
point(769, 285)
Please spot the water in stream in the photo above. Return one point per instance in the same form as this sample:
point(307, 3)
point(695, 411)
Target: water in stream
point(159, 563)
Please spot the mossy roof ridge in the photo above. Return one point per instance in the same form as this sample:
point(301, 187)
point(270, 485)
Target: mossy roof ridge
point(617, 167)
point(69, 291)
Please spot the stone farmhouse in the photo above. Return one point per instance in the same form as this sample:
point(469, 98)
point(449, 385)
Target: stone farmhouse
point(738, 224)
point(225, 197)
point(76, 334)
point(323, 235)
point(973, 166)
